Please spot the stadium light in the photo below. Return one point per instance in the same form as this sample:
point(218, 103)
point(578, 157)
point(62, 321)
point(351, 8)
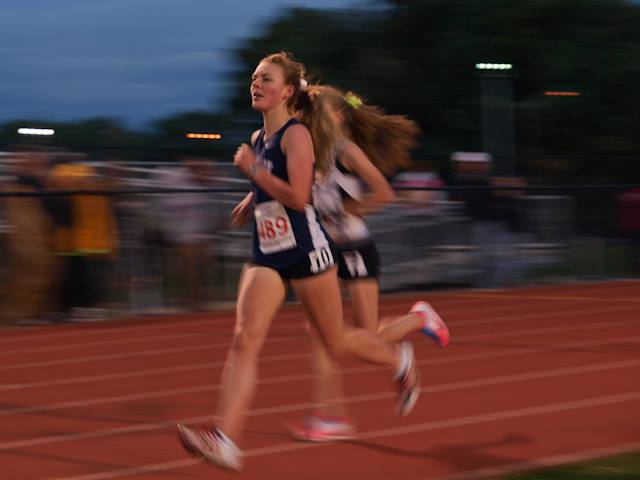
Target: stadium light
point(557, 93)
point(494, 66)
point(208, 136)
point(36, 131)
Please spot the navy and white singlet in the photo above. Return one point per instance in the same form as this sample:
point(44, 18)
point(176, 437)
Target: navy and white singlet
point(356, 253)
point(283, 237)
point(329, 192)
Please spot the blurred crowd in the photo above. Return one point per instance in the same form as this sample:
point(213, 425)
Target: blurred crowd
point(83, 256)
point(91, 255)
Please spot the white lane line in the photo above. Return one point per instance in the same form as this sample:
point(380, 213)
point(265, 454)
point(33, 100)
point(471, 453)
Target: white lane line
point(136, 354)
point(124, 341)
point(292, 356)
point(140, 353)
point(139, 396)
point(174, 321)
point(113, 327)
point(388, 432)
point(51, 333)
point(296, 316)
point(545, 330)
point(299, 325)
point(454, 299)
point(545, 462)
point(578, 298)
point(447, 387)
point(298, 356)
point(123, 375)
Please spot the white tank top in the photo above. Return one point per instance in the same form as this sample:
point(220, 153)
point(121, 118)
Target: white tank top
point(328, 194)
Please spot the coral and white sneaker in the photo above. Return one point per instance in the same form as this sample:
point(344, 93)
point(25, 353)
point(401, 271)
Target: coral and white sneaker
point(211, 444)
point(323, 428)
point(433, 325)
point(408, 380)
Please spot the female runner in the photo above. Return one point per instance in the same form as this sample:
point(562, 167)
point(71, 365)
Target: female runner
point(289, 245)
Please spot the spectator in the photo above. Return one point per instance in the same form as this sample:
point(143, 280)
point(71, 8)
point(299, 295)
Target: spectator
point(421, 176)
point(186, 222)
point(86, 238)
point(472, 170)
point(31, 265)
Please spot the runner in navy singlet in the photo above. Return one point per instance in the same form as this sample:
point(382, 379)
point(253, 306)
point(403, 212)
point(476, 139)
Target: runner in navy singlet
point(287, 240)
point(289, 246)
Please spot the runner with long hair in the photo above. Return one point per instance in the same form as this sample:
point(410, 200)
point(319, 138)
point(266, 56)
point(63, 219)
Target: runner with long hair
point(289, 246)
point(371, 145)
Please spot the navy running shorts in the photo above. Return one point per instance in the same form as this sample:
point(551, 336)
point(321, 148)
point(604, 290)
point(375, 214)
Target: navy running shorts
point(317, 261)
point(358, 262)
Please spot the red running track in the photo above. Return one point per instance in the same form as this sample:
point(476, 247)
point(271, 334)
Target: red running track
point(533, 377)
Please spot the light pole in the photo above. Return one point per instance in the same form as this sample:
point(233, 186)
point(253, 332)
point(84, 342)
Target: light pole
point(496, 100)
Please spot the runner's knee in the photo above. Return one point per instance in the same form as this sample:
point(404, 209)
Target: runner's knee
point(247, 340)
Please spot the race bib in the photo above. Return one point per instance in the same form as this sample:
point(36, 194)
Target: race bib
point(274, 227)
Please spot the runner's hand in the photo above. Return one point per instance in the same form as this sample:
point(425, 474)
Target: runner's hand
point(244, 158)
point(241, 212)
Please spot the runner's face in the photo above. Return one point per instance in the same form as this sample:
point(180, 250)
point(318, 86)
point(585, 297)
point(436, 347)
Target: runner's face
point(268, 87)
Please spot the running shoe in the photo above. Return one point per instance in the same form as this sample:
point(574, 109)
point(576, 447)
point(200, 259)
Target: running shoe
point(211, 444)
point(433, 325)
point(408, 380)
point(322, 428)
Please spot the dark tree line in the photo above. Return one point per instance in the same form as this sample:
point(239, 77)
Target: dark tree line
point(417, 58)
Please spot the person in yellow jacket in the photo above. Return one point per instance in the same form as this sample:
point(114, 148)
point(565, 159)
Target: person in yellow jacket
point(87, 238)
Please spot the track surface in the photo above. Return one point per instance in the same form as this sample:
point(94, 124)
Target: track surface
point(533, 376)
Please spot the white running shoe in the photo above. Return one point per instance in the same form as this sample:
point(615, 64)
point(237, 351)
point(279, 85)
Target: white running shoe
point(408, 380)
point(433, 325)
point(211, 444)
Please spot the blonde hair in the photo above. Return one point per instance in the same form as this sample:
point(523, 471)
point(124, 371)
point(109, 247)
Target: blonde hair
point(324, 133)
point(386, 139)
point(316, 115)
point(294, 73)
